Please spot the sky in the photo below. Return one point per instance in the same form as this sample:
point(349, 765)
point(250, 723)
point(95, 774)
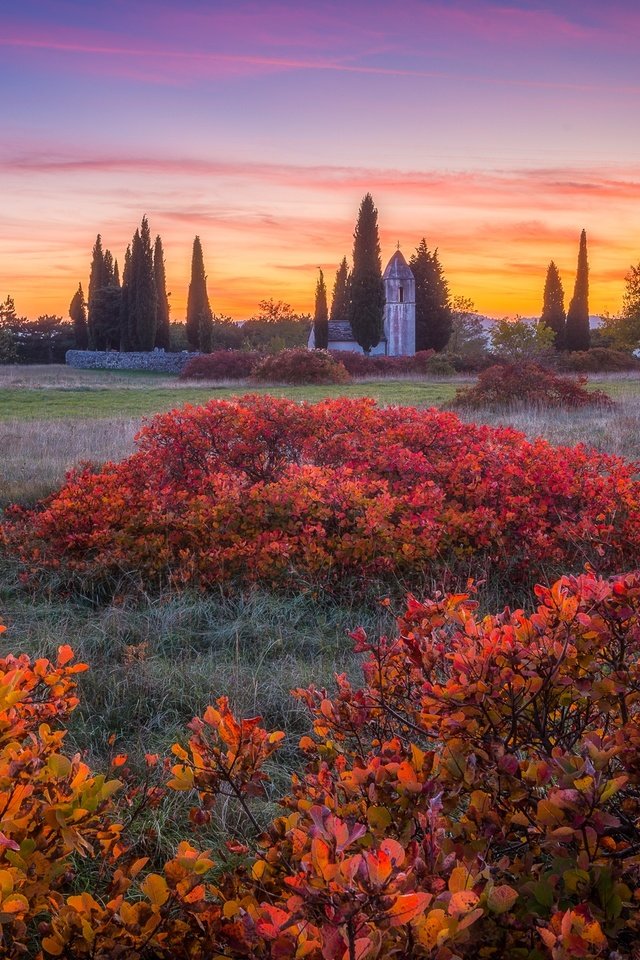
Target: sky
point(495, 130)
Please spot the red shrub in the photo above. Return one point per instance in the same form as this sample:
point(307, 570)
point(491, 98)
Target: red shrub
point(300, 366)
point(528, 384)
point(329, 495)
point(222, 365)
point(359, 365)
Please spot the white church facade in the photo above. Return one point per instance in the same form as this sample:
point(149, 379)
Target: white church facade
point(399, 336)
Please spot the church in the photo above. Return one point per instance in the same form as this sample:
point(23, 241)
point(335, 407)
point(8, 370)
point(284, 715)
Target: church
point(399, 336)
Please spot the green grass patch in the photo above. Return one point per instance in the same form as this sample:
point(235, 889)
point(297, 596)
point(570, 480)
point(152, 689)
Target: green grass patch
point(86, 402)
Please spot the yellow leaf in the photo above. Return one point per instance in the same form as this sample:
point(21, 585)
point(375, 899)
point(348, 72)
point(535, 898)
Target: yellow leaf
point(460, 879)
point(155, 889)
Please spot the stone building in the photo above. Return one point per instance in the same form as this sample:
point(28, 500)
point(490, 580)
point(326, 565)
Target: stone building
point(399, 338)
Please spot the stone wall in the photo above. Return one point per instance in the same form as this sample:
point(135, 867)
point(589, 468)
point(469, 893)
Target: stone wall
point(154, 361)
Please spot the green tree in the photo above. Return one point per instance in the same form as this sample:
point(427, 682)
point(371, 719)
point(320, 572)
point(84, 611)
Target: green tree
point(143, 302)
point(163, 331)
point(199, 316)
point(321, 316)
point(433, 309)
point(8, 332)
point(276, 327)
point(518, 341)
point(106, 318)
point(78, 314)
point(468, 337)
point(341, 294)
point(578, 336)
point(367, 290)
point(623, 331)
point(553, 312)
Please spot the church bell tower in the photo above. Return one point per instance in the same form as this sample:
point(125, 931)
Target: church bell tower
point(400, 307)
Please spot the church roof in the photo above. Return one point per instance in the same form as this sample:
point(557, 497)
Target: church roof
point(398, 268)
point(341, 330)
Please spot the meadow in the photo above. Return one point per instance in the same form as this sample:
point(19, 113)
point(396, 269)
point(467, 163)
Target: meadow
point(158, 659)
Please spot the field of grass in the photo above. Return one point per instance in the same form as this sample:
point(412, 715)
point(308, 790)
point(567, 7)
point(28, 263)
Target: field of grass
point(157, 662)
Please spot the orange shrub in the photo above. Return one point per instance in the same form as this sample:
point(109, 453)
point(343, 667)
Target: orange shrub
point(479, 795)
point(333, 495)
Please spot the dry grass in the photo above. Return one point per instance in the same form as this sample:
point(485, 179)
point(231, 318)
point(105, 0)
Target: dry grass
point(615, 431)
point(38, 453)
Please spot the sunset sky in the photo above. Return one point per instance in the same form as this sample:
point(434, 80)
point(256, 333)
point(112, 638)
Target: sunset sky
point(496, 131)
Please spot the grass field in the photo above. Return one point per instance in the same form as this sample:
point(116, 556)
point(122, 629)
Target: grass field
point(52, 393)
point(156, 662)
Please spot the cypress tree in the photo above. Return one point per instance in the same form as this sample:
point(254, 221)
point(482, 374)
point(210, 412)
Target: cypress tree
point(116, 273)
point(321, 316)
point(96, 282)
point(367, 290)
point(553, 313)
point(109, 276)
point(199, 317)
point(578, 334)
point(340, 299)
point(78, 314)
point(434, 318)
point(125, 299)
point(143, 287)
point(163, 331)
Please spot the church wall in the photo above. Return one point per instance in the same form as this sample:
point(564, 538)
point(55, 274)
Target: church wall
point(400, 328)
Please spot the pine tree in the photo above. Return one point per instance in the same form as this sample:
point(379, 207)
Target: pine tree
point(143, 286)
point(578, 334)
point(341, 298)
point(96, 282)
point(163, 331)
point(321, 316)
point(367, 290)
point(78, 314)
point(433, 308)
point(199, 317)
point(553, 313)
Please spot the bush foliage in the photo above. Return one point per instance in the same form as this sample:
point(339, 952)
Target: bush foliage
point(477, 796)
point(337, 495)
point(300, 366)
point(597, 360)
point(222, 365)
point(528, 384)
point(361, 365)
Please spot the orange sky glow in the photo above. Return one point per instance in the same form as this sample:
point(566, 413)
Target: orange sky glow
point(260, 129)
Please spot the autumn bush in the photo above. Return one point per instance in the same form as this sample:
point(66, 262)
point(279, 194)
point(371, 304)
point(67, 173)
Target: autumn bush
point(360, 365)
point(478, 795)
point(528, 384)
point(300, 366)
point(597, 360)
point(222, 365)
point(340, 496)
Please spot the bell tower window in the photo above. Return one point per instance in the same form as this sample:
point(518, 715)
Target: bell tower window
point(400, 294)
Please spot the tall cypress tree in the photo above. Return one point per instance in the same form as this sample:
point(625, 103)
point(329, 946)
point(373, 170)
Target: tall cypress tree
point(199, 317)
point(321, 316)
point(433, 310)
point(340, 300)
point(578, 334)
point(553, 313)
point(144, 300)
point(163, 331)
point(96, 282)
point(125, 304)
point(367, 290)
point(78, 314)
